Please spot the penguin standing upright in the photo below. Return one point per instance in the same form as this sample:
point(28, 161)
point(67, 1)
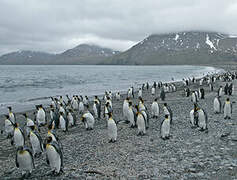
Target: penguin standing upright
point(153, 91)
point(117, 96)
point(202, 93)
point(9, 127)
point(36, 143)
point(71, 118)
point(226, 88)
point(202, 119)
point(227, 109)
point(97, 108)
point(211, 87)
point(194, 97)
point(25, 161)
point(125, 109)
point(81, 106)
point(140, 92)
point(112, 129)
point(75, 104)
point(217, 105)
point(54, 155)
point(230, 89)
point(131, 116)
point(162, 94)
point(18, 138)
point(12, 116)
point(40, 116)
point(155, 110)
point(29, 124)
point(220, 91)
point(168, 111)
point(88, 120)
point(194, 116)
point(63, 122)
point(140, 122)
point(107, 110)
point(165, 128)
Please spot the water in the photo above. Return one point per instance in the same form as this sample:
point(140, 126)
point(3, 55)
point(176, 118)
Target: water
point(24, 86)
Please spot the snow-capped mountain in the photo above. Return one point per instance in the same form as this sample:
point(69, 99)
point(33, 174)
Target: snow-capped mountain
point(180, 48)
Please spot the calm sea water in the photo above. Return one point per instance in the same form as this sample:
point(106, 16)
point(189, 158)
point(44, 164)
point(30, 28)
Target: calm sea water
point(24, 86)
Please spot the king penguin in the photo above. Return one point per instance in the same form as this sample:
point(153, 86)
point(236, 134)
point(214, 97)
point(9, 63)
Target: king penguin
point(71, 118)
point(29, 124)
point(194, 116)
point(54, 156)
point(12, 115)
point(112, 129)
point(25, 161)
point(63, 122)
point(220, 91)
point(202, 119)
point(131, 115)
point(140, 92)
point(125, 109)
point(36, 143)
point(168, 111)
point(9, 127)
point(41, 116)
point(117, 96)
point(88, 120)
point(217, 105)
point(140, 122)
point(165, 128)
point(227, 109)
point(155, 110)
point(18, 136)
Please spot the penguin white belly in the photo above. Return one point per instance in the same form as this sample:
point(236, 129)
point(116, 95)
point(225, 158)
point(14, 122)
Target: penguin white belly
point(90, 120)
point(18, 138)
point(70, 119)
point(155, 109)
point(216, 106)
point(227, 110)
point(131, 117)
point(62, 123)
point(129, 93)
point(8, 127)
point(192, 117)
point(25, 161)
point(12, 117)
point(201, 119)
point(139, 93)
point(95, 110)
point(117, 96)
point(141, 124)
point(30, 123)
point(81, 107)
point(146, 120)
point(35, 143)
point(153, 91)
point(165, 129)
point(54, 158)
point(125, 110)
point(112, 130)
point(75, 105)
point(41, 117)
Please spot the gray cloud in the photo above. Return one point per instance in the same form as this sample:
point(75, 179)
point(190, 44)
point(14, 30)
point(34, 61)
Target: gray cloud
point(56, 25)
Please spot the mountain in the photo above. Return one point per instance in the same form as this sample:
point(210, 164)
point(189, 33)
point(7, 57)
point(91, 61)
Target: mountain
point(180, 48)
point(82, 54)
point(26, 57)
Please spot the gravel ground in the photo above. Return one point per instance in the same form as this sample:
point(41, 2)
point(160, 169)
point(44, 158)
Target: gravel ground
point(189, 154)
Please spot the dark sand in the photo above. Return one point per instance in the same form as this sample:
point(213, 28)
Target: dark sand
point(189, 154)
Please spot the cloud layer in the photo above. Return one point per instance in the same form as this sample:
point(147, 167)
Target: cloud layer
point(56, 25)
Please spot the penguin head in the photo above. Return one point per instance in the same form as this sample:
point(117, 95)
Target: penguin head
point(9, 108)
point(165, 104)
point(50, 127)
point(20, 148)
point(166, 116)
point(156, 99)
point(110, 115)
point(7, 116)
point(130, 103)
point(61, 113)
point(25, 115)
point(127, 98)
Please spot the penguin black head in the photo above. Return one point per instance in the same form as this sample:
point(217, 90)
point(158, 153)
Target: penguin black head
point(130, 103)
point(86, 106)
point(20, 148)
point(110, 114)
point(127, 98)
point(155, 99)
point(7, 116)
point(96, 97)
point(136, 106)
point(107, 104)
point(70, 110)
point(166, 116)
point(9, 108)
point(61, 113)
point(61, 97)
point(227, 99)
point(165, 104)
point(25, 115)
point(49, 139)
point(50, 126)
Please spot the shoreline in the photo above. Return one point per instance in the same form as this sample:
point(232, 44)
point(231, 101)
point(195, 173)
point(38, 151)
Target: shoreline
point(189, 154)
point(16, 109)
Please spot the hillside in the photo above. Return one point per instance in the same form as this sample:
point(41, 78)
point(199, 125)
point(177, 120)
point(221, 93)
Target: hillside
point(180, 48)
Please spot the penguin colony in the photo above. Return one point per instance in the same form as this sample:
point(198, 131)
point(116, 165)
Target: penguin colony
point(62, 115)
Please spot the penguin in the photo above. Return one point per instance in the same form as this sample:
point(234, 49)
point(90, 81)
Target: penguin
point(54, 117)
point(86, 100)
point(202, 93)
point(217, 105)
point(88, 120)
point(25, 161)
point(226, 89)
point(141, 105)
point(168, 111)
point(12, 115)
point(81, 106)
point(112, 129)
point(227, 109)
point(202, 119)
point(140, 92)
point(18, 138)
point(140, 123)
point(63, 122)
point(125, 109)
point(131, 115)
point(117, 96)
point(162, 94)
point(40, 116)
point(61, 109)
point(211, 87)
point(155, 110)
point(194, 116)
point(230, 89)
point(194, 97)
point(110, 95)
point(220, 91)
point(109, 101)
point(71, 118)
point(54, 137)
point(153, 91)
point(97, 108)
point(75, 104)
point(29, 124)
point(107, 110)
point(53, 103)
point(54, 156)
point(165, 128)
point(9, 127)
point(187, 92)
point(36, 143)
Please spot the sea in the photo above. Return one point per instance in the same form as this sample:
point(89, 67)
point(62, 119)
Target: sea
point(24, 86)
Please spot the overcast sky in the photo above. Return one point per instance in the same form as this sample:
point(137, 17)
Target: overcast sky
point(57, 25)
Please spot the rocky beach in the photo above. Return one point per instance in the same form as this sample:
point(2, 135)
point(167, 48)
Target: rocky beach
point(188, 154)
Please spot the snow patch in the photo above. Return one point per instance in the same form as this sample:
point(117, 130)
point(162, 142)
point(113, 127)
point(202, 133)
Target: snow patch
point(208, 42)
point(232, 36)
